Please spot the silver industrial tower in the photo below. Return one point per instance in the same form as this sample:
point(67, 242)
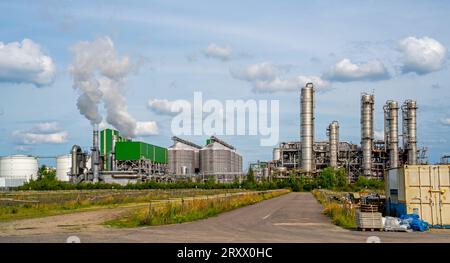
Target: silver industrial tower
point(371, 158)
point(307, 127)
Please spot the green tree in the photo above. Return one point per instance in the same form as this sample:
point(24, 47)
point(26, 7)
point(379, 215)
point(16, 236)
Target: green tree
point(327, 178)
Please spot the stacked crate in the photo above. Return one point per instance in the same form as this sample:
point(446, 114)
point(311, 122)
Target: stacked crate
point(368, 218)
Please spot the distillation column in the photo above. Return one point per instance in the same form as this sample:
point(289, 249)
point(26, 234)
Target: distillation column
point(333, 135)
point(307, 127)
point(367, 109)
point(409, 109)
point(391, 115)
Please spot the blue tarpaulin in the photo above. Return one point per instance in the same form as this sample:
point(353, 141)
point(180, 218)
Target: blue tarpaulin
point(415, 223)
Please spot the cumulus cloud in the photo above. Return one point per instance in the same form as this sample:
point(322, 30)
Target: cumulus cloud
point(25, 62)
point(266, 78)
point(445, 121)
point(215, 51)
point(345, 71)
point(422, 55)
point(316, 80)
point(146, 128)
point(162, 106)
point(41, 133)
point(46, 127)
point(264, 71)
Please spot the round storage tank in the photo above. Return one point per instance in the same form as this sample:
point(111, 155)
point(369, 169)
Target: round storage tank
point(23, 167)
point(63, 166)
point(276, 154)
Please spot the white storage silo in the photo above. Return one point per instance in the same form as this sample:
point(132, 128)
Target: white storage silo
point(63, 166)
point(18, 169)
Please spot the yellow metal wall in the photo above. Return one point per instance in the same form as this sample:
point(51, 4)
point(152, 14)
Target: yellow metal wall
point(427, 188)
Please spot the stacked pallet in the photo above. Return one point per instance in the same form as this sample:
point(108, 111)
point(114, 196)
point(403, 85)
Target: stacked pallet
point(368, 218)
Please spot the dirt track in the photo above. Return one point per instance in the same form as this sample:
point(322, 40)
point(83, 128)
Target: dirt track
point(295, 217)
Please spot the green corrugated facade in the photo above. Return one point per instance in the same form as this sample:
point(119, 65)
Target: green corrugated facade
point(137, 150)
point(129, 150)
point(106, 138)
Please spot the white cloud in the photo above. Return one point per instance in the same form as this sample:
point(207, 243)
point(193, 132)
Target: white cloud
point(26, 137)
point(24, 62)
point(422, 55)
point(445, 121)
point(275, 85)
point(317, 81)
point(264, 71)
point(146, 128)
point(45, 132)
point(46, 127)
point(162, 106)
point(345, 71)
point(265, 78)
point(214, 51)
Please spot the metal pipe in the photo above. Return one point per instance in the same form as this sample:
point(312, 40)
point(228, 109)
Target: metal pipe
point(307, 127)
point(333, 135)
point(367, 109)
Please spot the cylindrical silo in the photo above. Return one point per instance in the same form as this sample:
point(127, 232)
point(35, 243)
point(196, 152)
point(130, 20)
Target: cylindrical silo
point(391, 112)
point(183, 157)
point(17, 169)
point(333, 135)
point(276, 154)
point(63, 167)
point(307, 126)
point(367, 108)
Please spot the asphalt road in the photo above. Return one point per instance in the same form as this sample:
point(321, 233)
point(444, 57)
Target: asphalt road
point(295, 217)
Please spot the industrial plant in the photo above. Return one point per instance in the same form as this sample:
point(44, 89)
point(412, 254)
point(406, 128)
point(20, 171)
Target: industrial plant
point(371, 158)
point(114, 158)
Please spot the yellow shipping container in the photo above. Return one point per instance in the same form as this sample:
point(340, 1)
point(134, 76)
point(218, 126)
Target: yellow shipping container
point(420, 189)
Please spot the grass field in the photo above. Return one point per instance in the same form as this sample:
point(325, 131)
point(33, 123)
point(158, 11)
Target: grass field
point(30, 204)
point(190, 209)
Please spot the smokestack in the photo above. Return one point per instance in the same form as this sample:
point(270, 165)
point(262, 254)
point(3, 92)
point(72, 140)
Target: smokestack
point(95, 155)
point(409, 129)
point(333, 135)
point(391, 115)
point(307, 127)
point(367, 108)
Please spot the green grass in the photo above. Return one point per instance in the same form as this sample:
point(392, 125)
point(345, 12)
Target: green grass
point(339, 213)
point(189, 210)
point(47, 203)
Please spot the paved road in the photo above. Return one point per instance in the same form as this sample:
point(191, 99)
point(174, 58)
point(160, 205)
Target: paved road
point(295, 217)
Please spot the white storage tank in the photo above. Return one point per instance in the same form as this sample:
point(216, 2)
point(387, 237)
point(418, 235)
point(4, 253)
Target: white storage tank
point(63, 166)
point(421, 189)
point(18, 169)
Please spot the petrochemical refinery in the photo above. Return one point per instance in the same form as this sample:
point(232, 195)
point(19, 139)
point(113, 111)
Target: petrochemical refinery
point(115, 158)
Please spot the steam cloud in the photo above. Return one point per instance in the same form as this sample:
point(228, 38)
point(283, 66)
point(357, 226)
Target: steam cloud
point(99, 74)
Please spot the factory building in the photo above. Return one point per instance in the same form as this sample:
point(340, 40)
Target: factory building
point(118, 160)
point(217, 159)
point(371, 158)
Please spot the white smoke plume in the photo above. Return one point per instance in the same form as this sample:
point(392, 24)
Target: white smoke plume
point(99, 74)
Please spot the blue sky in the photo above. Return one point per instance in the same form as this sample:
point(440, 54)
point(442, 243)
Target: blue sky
point(353, 46)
